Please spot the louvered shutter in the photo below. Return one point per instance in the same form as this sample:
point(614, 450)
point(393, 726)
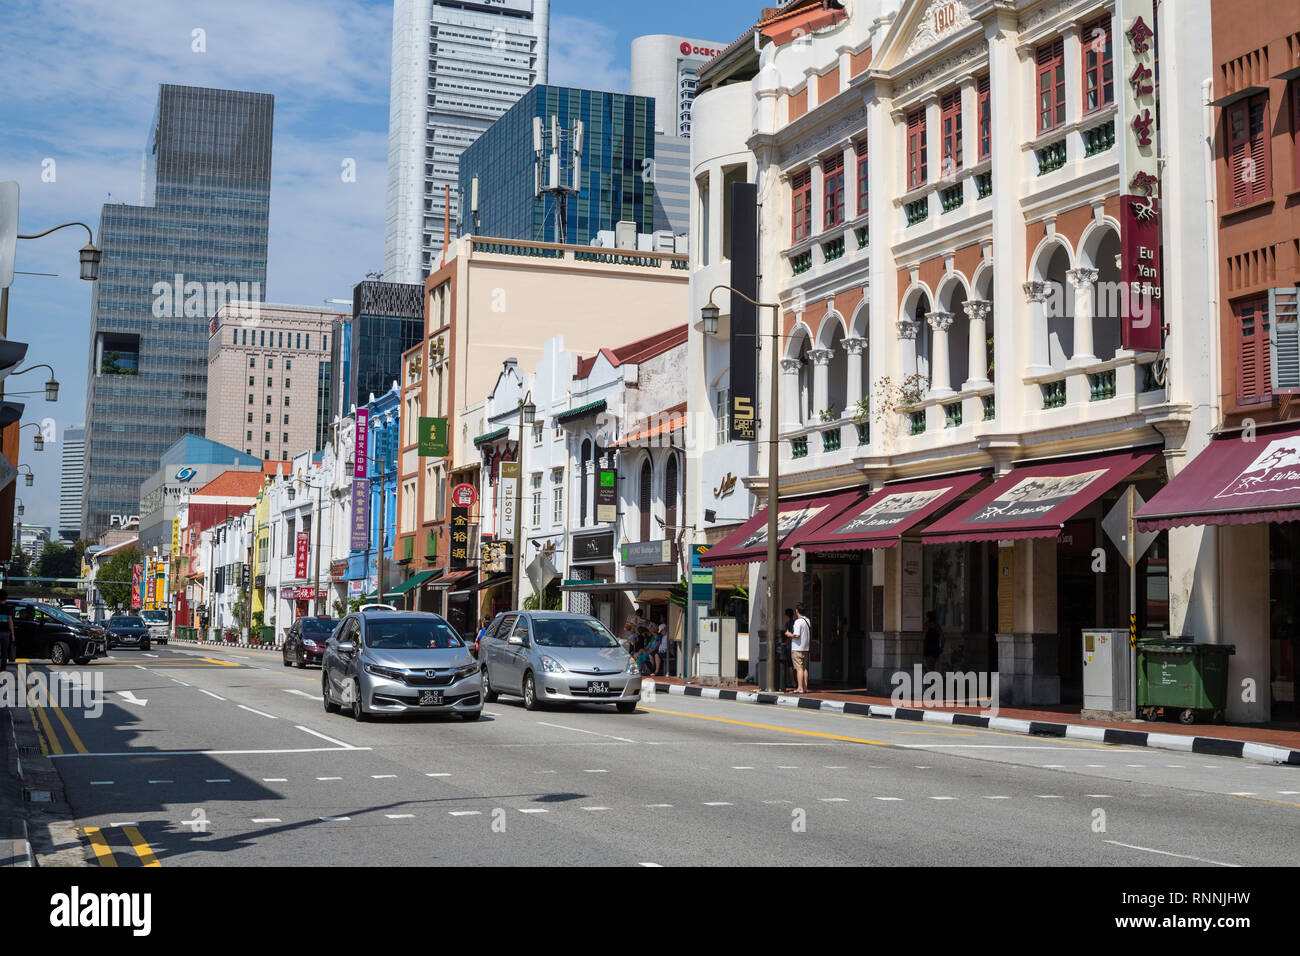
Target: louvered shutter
point(1252, 351)
point(1260, 152)
point(1284, 340)
point(1238, 151)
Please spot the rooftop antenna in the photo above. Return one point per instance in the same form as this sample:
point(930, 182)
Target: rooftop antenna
point(551, 179)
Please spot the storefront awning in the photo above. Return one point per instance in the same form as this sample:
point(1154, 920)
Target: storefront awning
point(1034, 501)
point(480, 585)
point(606, 587)
point(453, 579)
point(416, 580)
point(803, 515)
point(1232, 482)
point(879, 520)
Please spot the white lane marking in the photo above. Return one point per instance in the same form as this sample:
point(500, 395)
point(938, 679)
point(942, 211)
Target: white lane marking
point(1134, 765)
point(1053, 766)
point(787, 768)
point(465, 813)
point(1176, 765)
point(923, 768)
point(124, 823)
point(448, 775)
point(982, 747)
point(545, 771)
point(264, 820)
point(533, 810)
point(1243, 794)
point(275, 780)
point(1289, 793)
point(400, 816)
point(218, 780)
point(300, 693)
point(383, 776)
point(162, 781)
point(837, 768)
point(101, 783)
point(215, 753)
point(742, 768)
point(210, 694)
point(1099, 796)
point(181, 682)
point(543, 723)
point(996, 798)
point(1048, 796)
point(892, 799)
point(1095, 765)
point(778, 801)
point(833, 799)
point(335, 819)
point(329, 778)
point(317, 733)
point(659, 806)
point(658, 866)
point(943, 798)
point(149, 655)
point(593, 809)
point(141, 666)
point(1181, 856)
point(1209, 766)
point(242, 657)
point(595, 771)
point(718, 803)
point(130, 698)
point(259, 713)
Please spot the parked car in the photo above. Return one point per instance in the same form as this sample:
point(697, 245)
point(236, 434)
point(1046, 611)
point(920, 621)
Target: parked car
point(546, 656)
point(128, 630)
point(159, 623)
point(46, 632)
point(306, 640)
point(390, 662)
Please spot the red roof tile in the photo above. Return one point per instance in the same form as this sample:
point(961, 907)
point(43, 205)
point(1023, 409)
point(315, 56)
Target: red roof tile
point(234, 484)
point(637, 351)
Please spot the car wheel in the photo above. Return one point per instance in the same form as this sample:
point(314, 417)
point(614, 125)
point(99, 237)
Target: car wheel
point(330, 706)
point(299, 663)
point(530, 693)
point(59, 653)
point(358, 710)
point(285, 661)
point(626, 706)
point(489, 695)
point(471, 714)
point(146, 646)
point(83, 661)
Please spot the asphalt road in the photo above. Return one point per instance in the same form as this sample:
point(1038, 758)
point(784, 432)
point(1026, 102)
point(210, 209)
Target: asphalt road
point(215, 757)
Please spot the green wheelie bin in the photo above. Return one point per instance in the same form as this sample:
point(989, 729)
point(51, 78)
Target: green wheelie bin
point(1182, 677)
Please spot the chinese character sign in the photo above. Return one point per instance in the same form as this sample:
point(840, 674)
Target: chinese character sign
point(459, 537)
point(361, 444)
point(1140, 270)
point(300, 554)
point(360, 514)
point(433, 438)
point(137, 578)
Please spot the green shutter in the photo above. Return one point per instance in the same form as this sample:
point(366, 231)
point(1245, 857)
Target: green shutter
point(431, 544)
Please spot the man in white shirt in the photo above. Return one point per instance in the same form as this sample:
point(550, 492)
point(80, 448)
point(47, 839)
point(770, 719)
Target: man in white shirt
point(800, 647)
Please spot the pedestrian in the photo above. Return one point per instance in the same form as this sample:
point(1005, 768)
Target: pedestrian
point(800, 646)
point(660, 657)
point(783, 650)
point(932, 643)
point(8, 641)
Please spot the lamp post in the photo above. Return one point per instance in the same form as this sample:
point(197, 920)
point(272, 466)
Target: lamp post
point(527, 415)
point(38, 440)
point(709, 320)
point(315, 597)
point(29, 477)
point(51, 387)
point(90, 257)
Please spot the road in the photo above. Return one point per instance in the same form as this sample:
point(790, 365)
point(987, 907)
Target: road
point(206, 757)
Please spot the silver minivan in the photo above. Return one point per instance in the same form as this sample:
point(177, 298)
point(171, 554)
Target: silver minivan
point(552, 656)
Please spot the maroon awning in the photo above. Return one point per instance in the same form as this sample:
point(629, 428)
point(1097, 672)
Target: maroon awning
point(1034, 501)
point(879, 521)
point(1233, 481)
point(749, 542)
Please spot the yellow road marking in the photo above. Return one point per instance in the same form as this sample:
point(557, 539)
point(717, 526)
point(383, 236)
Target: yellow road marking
point(103, 854)
point(141, 848)
point(72, 734)
point(49, 731)
point(784, 730)
point(1276, 803)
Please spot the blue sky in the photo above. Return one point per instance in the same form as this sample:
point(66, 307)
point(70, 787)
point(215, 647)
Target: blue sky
point(78, 83)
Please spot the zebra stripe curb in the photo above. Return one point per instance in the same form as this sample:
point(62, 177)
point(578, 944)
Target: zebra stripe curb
point(1185, 743)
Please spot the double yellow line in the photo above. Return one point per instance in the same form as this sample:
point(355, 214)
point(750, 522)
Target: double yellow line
point(104, 853)
point(49, 738)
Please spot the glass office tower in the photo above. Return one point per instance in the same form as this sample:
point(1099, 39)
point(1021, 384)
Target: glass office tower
point(387, 319)
point(196, 241)
point(617, 171)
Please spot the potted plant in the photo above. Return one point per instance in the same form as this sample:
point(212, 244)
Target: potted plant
point(828, 415)
point(231, 635)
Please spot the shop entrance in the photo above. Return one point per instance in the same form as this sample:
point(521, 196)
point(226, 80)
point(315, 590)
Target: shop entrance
point(834, 598)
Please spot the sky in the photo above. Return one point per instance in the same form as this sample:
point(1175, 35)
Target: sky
point(78, 84)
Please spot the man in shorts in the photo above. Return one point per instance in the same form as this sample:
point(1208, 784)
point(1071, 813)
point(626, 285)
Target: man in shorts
point(799, 648)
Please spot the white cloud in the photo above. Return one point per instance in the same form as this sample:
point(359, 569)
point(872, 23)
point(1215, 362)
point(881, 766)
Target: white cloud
point(586, 54)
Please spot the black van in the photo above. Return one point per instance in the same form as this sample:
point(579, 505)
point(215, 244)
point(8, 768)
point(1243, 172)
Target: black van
point(46, 632)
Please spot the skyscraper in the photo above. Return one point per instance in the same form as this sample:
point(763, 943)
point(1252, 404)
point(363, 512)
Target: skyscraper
point(387, 319)
point(72, 474)
point(196, 241)
point(457, 66)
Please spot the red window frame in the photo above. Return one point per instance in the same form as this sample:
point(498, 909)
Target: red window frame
point(1254, 378)
point(917, 170)
point(984, 118)
point(801, 204)
point(1049, 85)
point(860, 147)
point(833, 191)
point(1098, 66)
point(1250, 161)
point(950, 131)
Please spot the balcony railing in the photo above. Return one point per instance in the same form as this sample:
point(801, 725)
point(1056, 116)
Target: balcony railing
point(952, 415)
point(1053, 394)
point(1101, 386)
point(918, 211)
point(864, 433)
point(799, 447)
point(990, 407)
point(833, 250)
point(831, 440)
point(983, 185)
point(863, 236)
point(801, 263)
point(951, 198)
point(1149, 381)
point(916, 423)
point(1051, 157)
point(1099, 138)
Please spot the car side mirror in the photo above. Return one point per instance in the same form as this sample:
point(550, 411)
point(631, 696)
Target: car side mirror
point(346, 647)
point(518, 640)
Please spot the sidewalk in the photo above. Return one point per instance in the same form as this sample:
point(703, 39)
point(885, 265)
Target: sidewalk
point(14, 848)
point(1267, 743)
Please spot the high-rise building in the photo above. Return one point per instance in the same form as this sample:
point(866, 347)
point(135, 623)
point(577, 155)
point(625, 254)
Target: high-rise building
point(387, 319)
point(269, 379)
point(196, 241)
point(72, 473)
point(664, 68)
point(616, 180)
point(457, 66)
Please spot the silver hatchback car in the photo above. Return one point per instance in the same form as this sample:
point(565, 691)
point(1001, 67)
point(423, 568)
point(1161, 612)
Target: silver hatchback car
point(546, 656)
point(392, 662)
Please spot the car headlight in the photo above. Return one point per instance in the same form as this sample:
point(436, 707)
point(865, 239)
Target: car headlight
point(466, 671)
point(632, 666)
point(385, 672)
point(308, 642)
point(551, 666)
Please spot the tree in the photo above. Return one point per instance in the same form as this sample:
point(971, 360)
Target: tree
point(56, 561)
point(114, 578)
point(18, 564)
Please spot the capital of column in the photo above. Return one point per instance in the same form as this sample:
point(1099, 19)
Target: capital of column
point(977, 309)
point(1081, 277)
point(790, 366)
point(821, 356)
point(939, 321)
point(1035, 291)
point(907, 328)
point(855, 345)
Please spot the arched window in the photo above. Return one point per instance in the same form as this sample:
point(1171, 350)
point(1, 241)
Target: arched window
point(670, 495)
point(582, 480)
point(644, 504)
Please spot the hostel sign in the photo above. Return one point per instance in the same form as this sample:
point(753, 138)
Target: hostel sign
point(1140, 270)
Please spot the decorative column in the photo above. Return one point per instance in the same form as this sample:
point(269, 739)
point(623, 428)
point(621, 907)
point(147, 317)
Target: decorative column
point(977, 367)
point(856, 348)
point(821, 359)
point(940, 322)
point(1036, 294)
point(1082, 280)
point(790, 394)
point(907, 329)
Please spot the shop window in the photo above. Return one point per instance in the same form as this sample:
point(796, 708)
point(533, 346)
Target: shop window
point(1249, 156)
point(801, 208)
point(984, 109)
point(1098, 65)
point(917, 173)
point(833, 189)
point(643, 504)
point(1253, 374)
point(950, 128)
point(1051, 85)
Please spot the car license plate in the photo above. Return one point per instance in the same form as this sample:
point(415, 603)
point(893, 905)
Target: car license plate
point(595, 687)
point(431, 697)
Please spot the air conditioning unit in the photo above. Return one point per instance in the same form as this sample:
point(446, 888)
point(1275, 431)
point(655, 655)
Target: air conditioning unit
point(624, 235)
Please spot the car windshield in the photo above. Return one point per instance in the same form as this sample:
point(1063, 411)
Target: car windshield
point(571, 632)
point(154, 617)
point(127, 622)
point(318, 626)
point(409, 634)
point(59, 614)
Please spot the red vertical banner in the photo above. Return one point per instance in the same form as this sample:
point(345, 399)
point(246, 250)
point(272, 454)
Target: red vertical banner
point(1140, 273)
point(300, 555)
point(137, 579)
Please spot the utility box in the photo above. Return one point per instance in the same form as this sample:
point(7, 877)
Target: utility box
point(717, 650)
point(1106, 673)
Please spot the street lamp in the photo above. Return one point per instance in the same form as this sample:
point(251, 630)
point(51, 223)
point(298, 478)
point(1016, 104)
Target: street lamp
point(19, 509)
point(51, 387)
point(38, 440)
point(709, 320)
point(28, 476)
point(527, 415)
point(90, 257)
